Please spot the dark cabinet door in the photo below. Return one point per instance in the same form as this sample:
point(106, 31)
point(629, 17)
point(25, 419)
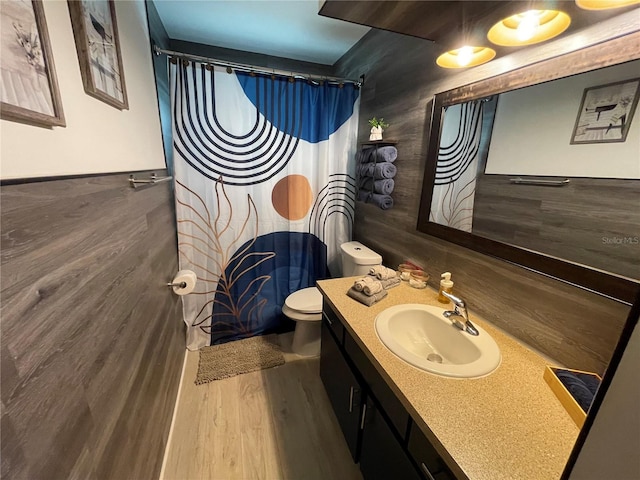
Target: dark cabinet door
point(425, 456)
point(381, 456)
point(343, 390)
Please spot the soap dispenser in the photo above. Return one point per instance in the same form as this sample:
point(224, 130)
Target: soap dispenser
point(446, 285)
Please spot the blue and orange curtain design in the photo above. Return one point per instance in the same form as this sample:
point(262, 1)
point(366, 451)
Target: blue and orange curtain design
point(265, 193)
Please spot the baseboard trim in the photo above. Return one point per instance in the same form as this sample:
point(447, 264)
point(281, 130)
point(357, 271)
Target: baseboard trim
point(173, 417)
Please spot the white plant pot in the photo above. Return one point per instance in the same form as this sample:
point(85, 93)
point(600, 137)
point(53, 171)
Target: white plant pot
point(376, 134)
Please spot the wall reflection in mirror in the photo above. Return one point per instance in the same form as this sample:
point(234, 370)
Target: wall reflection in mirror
point(586, 209)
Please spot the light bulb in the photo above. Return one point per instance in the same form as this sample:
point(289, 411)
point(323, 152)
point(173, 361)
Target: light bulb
point(528, 25)
point(465, 55)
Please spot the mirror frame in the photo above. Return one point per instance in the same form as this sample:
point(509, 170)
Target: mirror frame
point(612, 52)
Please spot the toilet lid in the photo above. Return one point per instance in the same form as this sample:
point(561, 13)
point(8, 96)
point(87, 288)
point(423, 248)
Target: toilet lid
point(307, 300)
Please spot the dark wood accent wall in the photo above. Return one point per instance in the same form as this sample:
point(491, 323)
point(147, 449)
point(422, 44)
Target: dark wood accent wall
point(446, 21)
point(593, 221)
point(92, 340)
point(434, 20)
point(573, 326)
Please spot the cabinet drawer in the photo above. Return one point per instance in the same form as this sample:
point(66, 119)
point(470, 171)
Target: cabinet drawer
point(330, 318)
point(426, 458)
point(392, 407)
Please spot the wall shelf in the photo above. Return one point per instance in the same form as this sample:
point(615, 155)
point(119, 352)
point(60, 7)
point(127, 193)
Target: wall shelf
point(380, 142)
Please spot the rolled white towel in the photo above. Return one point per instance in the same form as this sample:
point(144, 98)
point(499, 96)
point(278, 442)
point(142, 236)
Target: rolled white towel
point(382, 273)
point(363, 282)
point(372, 288)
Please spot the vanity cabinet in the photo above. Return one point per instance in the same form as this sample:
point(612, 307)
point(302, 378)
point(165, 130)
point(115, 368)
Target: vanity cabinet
point(382, 456)
point(426, 457)
point(343, 389)
point(377, 428)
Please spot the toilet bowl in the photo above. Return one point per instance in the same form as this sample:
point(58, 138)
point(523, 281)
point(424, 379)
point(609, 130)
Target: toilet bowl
point(305, 306)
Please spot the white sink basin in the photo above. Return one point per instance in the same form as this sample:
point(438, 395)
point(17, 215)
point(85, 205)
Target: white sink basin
point(421, 336)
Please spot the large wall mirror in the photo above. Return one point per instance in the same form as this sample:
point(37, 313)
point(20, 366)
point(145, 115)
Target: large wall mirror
point(541, 167)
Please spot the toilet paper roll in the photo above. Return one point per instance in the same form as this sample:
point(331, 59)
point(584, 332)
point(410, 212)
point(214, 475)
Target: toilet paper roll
point(189, 278)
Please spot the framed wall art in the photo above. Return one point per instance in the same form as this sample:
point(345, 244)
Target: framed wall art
point(28, 85)
point(606, 112)
point(96, 34)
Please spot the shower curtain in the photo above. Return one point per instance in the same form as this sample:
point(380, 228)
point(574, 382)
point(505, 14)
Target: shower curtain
point(466, 130)
point(265, 193)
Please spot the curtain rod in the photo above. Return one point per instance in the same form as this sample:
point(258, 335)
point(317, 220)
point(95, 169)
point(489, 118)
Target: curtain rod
point(251, 68)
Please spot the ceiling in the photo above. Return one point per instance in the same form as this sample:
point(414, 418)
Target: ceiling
point(284, 28)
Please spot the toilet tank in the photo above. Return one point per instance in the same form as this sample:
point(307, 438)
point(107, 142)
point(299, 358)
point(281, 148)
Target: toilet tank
point(357, 259)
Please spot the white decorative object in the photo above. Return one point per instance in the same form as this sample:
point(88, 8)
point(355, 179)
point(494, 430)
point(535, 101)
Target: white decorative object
point(377, 127)
point(376, 134)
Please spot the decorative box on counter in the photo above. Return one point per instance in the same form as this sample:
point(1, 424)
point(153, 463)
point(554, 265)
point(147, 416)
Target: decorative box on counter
point(574, 388)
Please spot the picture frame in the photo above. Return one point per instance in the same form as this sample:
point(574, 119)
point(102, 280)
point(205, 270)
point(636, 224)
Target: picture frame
point(29, 90)
point(606, 112)
point(95, 30)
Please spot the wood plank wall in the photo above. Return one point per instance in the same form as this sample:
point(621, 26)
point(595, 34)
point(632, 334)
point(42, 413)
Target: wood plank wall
point(573, 326)
point(92, 341)
point(593, 221)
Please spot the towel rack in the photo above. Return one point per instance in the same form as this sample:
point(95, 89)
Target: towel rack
point(153, 179)
point(541, 182)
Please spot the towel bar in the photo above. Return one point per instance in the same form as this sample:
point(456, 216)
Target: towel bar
point(153, 179)
point(536, 181)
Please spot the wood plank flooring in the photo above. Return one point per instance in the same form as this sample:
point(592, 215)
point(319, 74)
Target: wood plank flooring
point(270, 424)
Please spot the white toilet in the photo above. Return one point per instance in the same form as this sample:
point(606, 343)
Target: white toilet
point(305, 306)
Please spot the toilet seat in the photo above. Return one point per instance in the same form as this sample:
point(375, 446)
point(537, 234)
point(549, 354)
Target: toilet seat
point(307, 300)
point(301, 317)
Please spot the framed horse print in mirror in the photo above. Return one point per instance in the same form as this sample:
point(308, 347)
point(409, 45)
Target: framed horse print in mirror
point(606, 112)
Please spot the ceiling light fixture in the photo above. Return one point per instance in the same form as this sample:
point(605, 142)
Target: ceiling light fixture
point(526, 28)
point(605, 4)
point(466, 56)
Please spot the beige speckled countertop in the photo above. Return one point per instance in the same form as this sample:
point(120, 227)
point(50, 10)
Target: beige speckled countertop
point(508, 425)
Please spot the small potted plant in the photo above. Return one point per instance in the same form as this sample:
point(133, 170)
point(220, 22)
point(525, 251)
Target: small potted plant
point(377, 127)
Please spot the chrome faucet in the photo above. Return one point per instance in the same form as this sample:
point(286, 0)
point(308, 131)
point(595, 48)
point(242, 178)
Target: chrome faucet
point(459, 316)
